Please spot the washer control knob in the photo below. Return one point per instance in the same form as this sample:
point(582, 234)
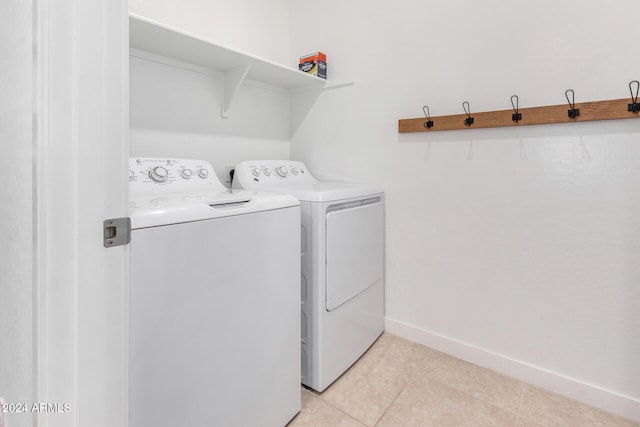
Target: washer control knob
point(203, 173)
point(256, 171)
point(294, 171)
point(158, 174)
point(186, 173)
point(267, 171)
point(132, 176)
point(282, 171)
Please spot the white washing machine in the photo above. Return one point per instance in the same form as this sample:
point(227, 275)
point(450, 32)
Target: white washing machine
point(214, 300)
point(342, 264)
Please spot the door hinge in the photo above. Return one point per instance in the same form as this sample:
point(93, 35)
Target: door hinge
point(117, 232)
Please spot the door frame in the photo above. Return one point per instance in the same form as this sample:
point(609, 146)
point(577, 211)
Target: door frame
point(80, 127)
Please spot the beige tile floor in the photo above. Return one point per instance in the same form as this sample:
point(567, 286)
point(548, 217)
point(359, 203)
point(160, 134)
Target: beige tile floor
point(401, 383)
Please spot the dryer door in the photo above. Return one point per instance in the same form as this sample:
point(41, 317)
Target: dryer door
point(355, 249)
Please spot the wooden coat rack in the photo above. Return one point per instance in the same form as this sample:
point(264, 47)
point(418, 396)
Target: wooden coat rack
point(582, 112)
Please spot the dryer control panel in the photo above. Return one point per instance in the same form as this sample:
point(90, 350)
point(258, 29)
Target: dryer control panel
point(149, 175)
point(254, 174)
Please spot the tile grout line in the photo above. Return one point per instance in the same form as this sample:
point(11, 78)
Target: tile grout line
point(476, 397)
point(517, 412)
point(350, 416)
point(319, 396)
point(390, 405)
point(520, 404)
point(404, 387)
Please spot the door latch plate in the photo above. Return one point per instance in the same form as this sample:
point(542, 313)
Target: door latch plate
point(117, 232)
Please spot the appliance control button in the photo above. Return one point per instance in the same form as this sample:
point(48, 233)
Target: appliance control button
point(256, 171)
point(158, 174)
point(203, 173)
point(294, 171)
point(267, 171)
point(282, 171)
point(132, 176)
point(186, 173)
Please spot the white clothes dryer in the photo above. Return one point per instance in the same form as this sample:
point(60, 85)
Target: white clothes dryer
point(214, 300)
point(342, 285)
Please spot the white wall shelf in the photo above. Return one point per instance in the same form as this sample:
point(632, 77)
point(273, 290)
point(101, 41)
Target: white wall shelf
point(236, 66)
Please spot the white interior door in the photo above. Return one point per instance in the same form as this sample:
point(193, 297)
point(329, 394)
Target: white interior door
point(81, 103)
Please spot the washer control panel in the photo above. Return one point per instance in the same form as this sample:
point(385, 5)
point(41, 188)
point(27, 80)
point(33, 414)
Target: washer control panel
point(253, 174)
point(159, 175)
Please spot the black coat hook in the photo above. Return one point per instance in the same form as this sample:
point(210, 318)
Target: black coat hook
point(516, 116)
point(634, 107)
point(429, 123)
point(573, 112)
point(469, 120)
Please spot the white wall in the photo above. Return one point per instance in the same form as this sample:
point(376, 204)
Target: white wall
point(175, 112)
point(16, 219)
point(516, 247)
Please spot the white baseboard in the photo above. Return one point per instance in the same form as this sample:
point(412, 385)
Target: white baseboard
point(607, 400)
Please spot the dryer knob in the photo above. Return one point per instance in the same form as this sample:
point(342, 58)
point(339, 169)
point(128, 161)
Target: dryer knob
point(132, 176)
point(267, 171)
point(203, 173)
point(282, 171)
point(159, 174)
point(256, 171)
point(186, 173)
point(294, 171)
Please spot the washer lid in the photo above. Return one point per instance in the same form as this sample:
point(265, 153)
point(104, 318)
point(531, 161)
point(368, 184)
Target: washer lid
point(178, 208)
point(326, 191)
